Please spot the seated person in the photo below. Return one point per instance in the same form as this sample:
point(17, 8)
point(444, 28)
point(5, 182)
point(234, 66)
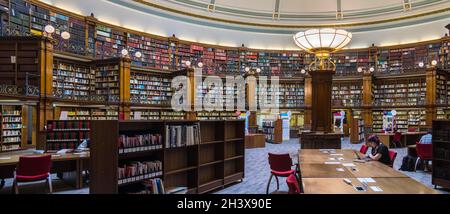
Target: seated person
point(379, 151)
point(426, 139)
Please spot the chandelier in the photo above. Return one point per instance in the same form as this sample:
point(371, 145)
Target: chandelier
point(322, 42)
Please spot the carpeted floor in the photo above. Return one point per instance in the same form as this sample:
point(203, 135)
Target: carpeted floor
point(256, 172)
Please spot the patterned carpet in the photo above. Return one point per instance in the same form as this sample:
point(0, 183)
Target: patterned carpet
point(256, 172)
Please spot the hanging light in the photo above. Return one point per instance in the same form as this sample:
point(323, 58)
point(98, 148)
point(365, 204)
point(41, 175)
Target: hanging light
point(371, 69)
point(322, 42)
point(247, 69)
point(434, 62)
point(360, 69)
point(187, 63)
point(49, 29)
point(138, 54)
point(303, 71)
point(65, 35)
point(200, 64)
point(258, 70)
point(421, 64)
point(124, 52)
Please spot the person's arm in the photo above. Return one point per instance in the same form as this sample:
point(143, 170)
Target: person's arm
point(375, 157)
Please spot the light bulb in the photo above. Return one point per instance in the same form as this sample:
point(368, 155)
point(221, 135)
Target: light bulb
point(434, 62)
point(49, 29)
point(200, 64)
point(303, 71)
point(124, 52)
point(371, 69)
point(188, 63)
point(360, 69)
point(258, 70)
point(247, 69)
point(421, 64)
point(138, 54)
point(65, 35)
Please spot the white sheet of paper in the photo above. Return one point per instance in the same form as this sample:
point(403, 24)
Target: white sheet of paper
point(331, 158)
point(348, 164)
point(5, 158)
point(340, 169)
point(332, 162)
point(366, 180)
point(337, 154)
point(340, 158)
point(376, 188)
point(63, 115)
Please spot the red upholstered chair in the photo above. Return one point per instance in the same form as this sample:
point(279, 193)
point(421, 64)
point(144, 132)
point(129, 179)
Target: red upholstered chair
point(411, 129)
point(424, 153)
point(392, 156)
point(397, 140)
point(33, 168)
point(293, 184)
point(280, 166)
point(364, 149)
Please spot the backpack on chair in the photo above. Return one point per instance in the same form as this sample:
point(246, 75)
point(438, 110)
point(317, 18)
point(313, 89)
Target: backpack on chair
point(408, 163)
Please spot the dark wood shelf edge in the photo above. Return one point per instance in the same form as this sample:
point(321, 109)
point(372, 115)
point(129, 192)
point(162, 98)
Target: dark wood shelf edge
point(176, 171)
point(234, 157)
point(210, 163)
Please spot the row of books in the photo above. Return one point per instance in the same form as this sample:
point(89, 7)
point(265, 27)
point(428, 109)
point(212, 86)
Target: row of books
point(137, 168)
point(68, 125)
point(182, 135)
point(11, 133)
point(140, 140)
point(152, 186)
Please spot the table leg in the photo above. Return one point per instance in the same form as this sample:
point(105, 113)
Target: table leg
point(79, 175)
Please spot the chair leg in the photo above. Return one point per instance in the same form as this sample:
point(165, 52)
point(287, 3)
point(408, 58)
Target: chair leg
point(15, 187)
point(417, 162)
point(278, 183)
point(268, 184)
point(49, 181)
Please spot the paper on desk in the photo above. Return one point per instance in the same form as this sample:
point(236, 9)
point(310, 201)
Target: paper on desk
point(340, 158)
point(5, 158)
point(337, 154)
point(340, 169)
point(376, 188)
point(348, 164)
point(332, 162)
point(366, 180)
point(331, 158)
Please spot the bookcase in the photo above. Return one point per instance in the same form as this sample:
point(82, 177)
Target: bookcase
point(107, 79)
point(208, 159)
point(66, 134)
point(400, 92)
point(273, 129)
point(73, 80)
point(291, 94)
point(156, 114)
point(215, 115)
point(405, 118)
point(12, 127)
point(357, 133)
point(347, 94)
point(150, 88)
point(441, 153)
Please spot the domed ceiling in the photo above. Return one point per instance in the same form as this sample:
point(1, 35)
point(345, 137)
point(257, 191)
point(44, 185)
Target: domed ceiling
point(301, 13)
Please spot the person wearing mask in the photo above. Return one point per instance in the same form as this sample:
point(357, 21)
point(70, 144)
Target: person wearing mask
point(379, 151)
point(426, 139)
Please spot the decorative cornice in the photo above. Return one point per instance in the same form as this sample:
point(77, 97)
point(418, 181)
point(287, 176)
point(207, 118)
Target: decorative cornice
point(284, 26)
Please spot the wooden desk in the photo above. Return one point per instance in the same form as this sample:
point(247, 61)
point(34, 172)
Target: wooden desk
point(316, 156)
point(67, 163)
point(320, 170)
point(388, 185)
point(408, 138)
point(255, 141)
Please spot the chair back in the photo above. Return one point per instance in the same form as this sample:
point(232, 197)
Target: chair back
point(392, 156)
point(364, 149)
point(424, 151)
point(34, 165)
point(397, 136)
point(280, 162)
point(294, 187)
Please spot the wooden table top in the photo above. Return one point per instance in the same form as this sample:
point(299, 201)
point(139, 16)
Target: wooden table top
point(387, 185)
point(320, 170)
point(12, 159)
point(403, 133)
point(317, 156)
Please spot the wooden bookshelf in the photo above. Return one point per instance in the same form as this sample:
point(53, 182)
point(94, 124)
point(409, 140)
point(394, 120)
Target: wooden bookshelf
point(73, 80)
point(347, 93)
point(400, 92)
point(357, 133)
point(66, 134)
point(273, 129)
point(217, 160)
point(12, 130)
point(150, 88)
point(441, 153)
